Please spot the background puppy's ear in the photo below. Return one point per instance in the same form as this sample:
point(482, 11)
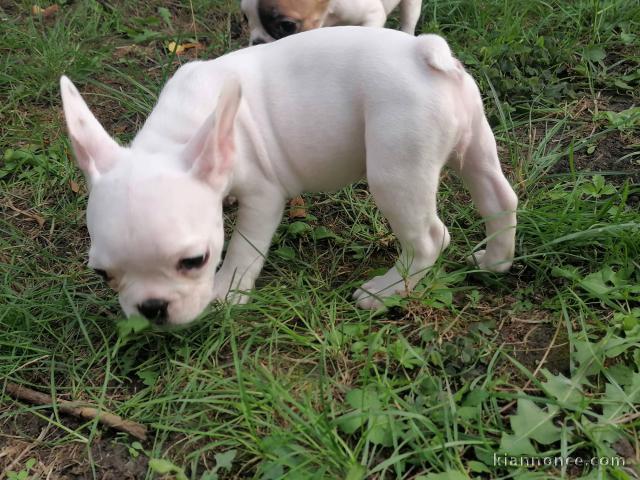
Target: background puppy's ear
point(95, 150)
point(211, 151)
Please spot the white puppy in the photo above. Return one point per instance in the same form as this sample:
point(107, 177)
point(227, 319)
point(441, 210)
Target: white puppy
point(274, 19)
point(305, 114)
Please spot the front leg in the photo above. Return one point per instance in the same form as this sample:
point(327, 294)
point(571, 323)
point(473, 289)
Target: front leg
point(258, 218)
point(374, 17)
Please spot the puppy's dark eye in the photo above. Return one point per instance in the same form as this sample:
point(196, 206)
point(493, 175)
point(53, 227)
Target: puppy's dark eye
point(103, 273)
point(284, 28)
point(193, 263)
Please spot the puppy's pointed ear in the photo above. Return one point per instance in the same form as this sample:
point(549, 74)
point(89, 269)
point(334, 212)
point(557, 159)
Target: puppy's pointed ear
point(209, 155)
point(96, 152)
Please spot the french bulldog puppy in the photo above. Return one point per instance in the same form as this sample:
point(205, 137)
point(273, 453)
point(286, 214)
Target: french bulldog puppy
point(266, 123)
point(271, 20)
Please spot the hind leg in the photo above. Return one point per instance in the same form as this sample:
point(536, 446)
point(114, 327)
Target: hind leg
point(409, 15)
point(404, 189)
point(493, 196)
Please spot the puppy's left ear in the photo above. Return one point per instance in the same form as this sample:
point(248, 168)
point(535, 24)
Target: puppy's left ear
point(210, 153)
point(95, 151)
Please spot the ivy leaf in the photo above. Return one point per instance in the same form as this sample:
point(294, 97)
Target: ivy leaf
point(619, 401)
point(622, 374)
point(616, 346)
point(475, 398)
point(478, 467)
point(589, 356)
point(225, 460)
point(163, 467)
point(361, 401)
point(320, 233)
point(516, 445)
point(365, 399)
point(601, 432)
point(366, 405)
point(132, 325)
point(149, 376)
point(405, 354)
point(608, 283)
point(568, 392)
point(534, 422)
point(380, 432)
point(594, 54)
point(298, 228)
point(350, 422)
point(286, 252)
point(356, 472)
point(530, 423)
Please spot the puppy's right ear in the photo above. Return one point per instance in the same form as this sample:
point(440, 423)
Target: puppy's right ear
point(96, 152)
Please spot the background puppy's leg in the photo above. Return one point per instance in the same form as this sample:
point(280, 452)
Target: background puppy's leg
point(405, 192)
point(409, 15)
point(258, 218)
point(375, 17)
point(491, 192)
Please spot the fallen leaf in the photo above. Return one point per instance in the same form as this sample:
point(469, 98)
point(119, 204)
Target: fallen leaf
point(45, 12)
point(187, 46)
point(75, 188)
point(180, 48)
point(50, 10)
point(298, 209)
point(174, 47)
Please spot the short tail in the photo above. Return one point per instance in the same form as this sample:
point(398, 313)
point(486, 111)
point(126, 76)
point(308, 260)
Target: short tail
point(437, 53)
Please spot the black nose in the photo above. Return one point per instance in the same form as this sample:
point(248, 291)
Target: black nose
point(258, 41)
point(154, 309)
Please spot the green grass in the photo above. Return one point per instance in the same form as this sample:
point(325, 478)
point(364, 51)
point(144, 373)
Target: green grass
point(299, 384)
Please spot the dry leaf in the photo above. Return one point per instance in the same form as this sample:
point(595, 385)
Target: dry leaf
point(50, 10)
point(45, 12)
point(298, 209)
point(174, 47)
point(75, 188)
point(179, 49)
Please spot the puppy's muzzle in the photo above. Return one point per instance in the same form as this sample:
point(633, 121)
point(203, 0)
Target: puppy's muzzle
point(155, 310)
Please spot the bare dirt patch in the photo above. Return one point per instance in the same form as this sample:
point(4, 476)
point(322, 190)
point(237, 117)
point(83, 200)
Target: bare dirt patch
point(611, 154)
point(26, 437)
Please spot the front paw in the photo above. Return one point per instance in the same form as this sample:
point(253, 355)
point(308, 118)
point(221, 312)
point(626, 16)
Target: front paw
point(372, 294)
point(224, 292)
point(481, 260)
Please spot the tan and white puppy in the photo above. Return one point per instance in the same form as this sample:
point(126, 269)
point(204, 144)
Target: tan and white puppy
point(271, 20)
point(306, 114)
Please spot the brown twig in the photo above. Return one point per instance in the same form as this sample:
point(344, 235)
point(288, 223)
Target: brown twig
point(73, 408)
point(630, 417)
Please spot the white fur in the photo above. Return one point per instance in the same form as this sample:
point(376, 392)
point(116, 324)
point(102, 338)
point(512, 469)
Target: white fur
point(364, 13)
point(313, 112)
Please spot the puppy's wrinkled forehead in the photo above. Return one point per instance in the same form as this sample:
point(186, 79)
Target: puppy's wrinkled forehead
point(308, 14)
point(155, 216)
